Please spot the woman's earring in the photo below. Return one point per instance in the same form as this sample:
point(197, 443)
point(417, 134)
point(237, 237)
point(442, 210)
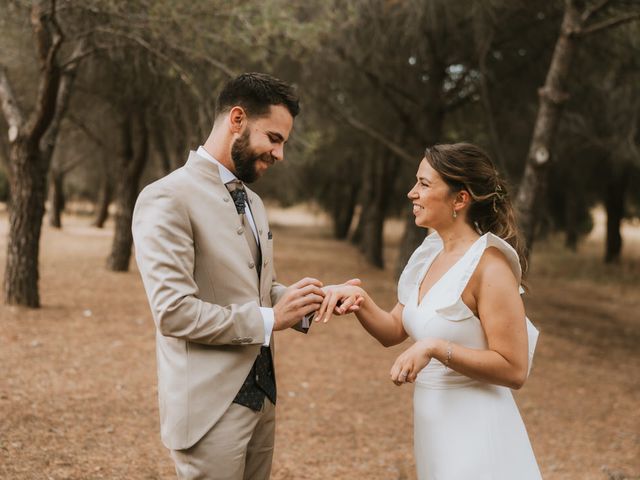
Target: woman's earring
point(455, 214)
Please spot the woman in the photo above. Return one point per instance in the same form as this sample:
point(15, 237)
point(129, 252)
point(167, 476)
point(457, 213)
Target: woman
point(459, 300)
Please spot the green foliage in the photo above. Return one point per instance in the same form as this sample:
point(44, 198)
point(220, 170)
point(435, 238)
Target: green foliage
point(369, 72)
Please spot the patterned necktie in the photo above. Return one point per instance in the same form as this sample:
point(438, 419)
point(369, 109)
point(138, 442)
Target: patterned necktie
point(261, 380)
point(239, 196)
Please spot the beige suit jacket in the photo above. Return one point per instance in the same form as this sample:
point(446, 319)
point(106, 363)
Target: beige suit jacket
point(204, 294)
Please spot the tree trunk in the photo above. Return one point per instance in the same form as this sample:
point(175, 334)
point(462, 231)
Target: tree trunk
point(56, 198)
point(571, 222)
point(372, 217)
point(161, 147)
point(615, 206)
point(345, 198)
point(380, 177)
point(28, 190)
point(343, 211)
point(552, 97)
point(356, 236)
point(132, 165)
point(29, 163)
point(104, 200)
point(31, 146)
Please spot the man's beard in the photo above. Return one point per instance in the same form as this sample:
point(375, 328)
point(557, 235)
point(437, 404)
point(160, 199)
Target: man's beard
point(244, 159)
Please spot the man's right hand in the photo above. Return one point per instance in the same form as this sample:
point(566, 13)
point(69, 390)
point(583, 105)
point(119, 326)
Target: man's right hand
point(300, 299)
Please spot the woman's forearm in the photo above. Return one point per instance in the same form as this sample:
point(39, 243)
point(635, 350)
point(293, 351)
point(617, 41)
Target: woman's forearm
point(380, 324)
point(484, 365)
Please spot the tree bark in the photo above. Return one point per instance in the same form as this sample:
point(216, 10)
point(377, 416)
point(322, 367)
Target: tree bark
point(132, 165)
point(28, 187)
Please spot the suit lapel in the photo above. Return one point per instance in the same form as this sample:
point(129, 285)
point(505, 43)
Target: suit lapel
point(260, 220)
point(262, 227)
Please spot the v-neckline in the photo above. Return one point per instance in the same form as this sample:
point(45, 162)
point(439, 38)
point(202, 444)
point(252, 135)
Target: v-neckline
point(430, 264)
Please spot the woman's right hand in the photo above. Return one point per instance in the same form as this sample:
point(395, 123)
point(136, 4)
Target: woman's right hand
point(340, 299)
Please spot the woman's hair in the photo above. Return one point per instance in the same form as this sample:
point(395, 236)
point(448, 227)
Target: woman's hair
point(464, 166)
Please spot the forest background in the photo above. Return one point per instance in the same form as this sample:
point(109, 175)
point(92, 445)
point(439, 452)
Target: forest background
point(101, 97)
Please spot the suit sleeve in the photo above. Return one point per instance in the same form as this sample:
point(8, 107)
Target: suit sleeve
point(165, 256)
point(277, 291)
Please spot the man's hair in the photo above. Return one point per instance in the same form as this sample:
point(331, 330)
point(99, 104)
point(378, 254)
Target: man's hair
point(255, 93)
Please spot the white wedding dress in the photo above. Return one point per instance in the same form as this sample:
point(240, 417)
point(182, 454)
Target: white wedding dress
point(464, 429)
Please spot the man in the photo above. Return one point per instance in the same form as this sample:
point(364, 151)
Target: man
point(204, 251)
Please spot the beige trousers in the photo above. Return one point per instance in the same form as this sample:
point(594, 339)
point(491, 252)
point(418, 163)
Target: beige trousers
point(238, 447)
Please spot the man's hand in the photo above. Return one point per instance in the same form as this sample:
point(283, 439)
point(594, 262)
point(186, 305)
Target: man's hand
point(300, 299)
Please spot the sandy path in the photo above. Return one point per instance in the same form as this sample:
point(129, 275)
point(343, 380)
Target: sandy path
point(78, 399)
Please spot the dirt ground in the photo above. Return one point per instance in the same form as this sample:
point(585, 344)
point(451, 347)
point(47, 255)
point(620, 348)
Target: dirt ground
point(78, 381)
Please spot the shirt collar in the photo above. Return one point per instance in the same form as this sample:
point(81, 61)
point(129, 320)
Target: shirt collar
point(225, 174)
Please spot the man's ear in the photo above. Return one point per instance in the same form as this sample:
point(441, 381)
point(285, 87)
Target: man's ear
point(237, 119)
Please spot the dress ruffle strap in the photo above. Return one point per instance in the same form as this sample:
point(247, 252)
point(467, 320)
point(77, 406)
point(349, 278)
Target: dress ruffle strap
point(411, 273)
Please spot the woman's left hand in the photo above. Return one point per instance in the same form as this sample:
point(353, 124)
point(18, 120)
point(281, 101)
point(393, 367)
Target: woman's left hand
point(411, 361)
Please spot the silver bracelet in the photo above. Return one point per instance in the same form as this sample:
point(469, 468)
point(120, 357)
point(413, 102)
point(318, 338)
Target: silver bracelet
point(449, 353)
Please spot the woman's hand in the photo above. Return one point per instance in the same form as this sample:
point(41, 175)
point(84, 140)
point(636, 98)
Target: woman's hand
point(340, 299)
point(411, 361)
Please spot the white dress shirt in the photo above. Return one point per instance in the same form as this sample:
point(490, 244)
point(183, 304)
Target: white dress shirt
point(227, 176)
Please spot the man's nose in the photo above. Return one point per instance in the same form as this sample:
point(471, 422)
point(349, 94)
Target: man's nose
point(278, 153)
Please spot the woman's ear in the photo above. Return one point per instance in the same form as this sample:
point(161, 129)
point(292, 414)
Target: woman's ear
point(463, 199)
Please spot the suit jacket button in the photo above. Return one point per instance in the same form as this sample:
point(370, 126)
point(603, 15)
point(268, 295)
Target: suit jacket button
point(266, 262)
point(240, 230)
point(226, 199)
point(260, 231)
point(252, 265)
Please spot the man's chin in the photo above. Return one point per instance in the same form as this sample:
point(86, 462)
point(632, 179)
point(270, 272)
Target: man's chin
point(262, 166)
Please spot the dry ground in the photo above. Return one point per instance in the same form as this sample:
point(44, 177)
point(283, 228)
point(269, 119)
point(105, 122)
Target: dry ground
point(77, 388)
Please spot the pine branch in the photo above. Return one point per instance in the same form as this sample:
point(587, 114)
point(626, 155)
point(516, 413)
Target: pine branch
point(605, 24)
